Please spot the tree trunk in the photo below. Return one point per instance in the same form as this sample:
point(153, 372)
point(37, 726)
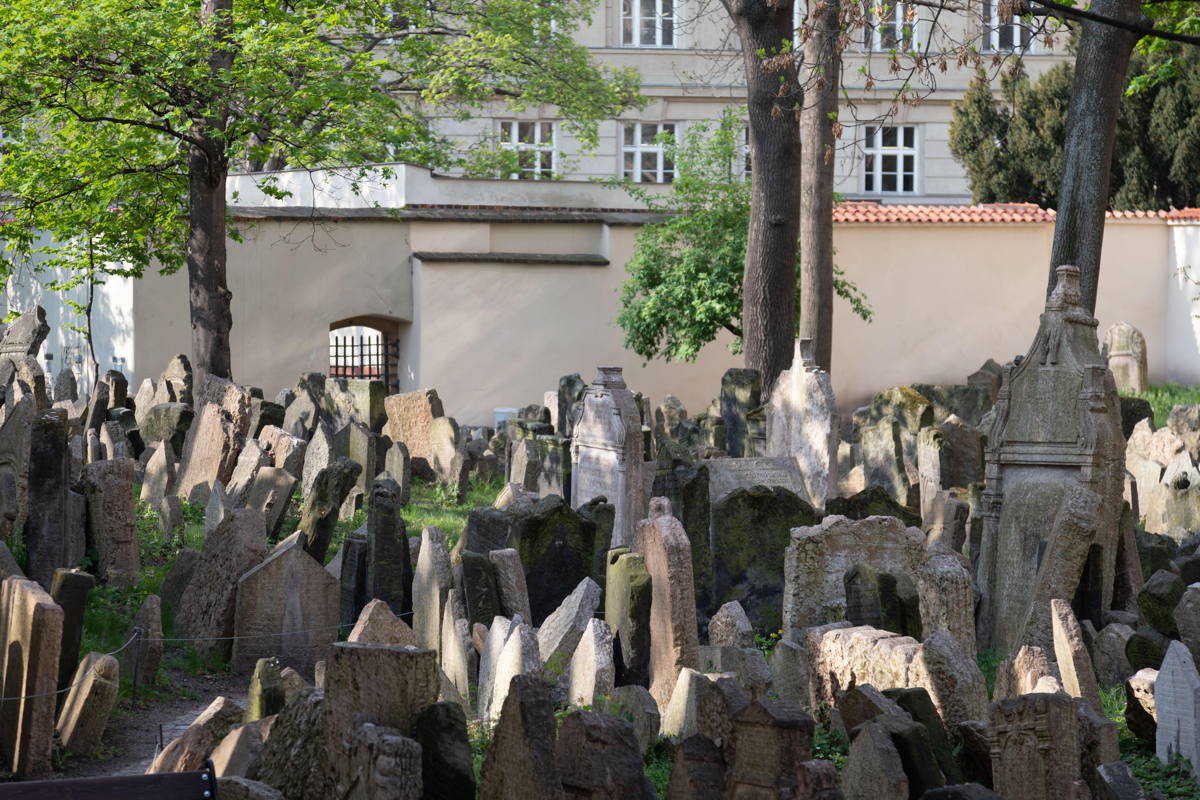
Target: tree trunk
point(823, 56)
point(209, 297)
point(1100, 67)
point(773, 102)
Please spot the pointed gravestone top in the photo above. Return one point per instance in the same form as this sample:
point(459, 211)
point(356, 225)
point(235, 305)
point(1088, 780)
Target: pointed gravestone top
point(1177, 700)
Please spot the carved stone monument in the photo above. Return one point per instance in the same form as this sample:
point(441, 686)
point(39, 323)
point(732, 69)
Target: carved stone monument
point(802, 422)
point(1125, 347)
point(607, 452)
point(1054, 478)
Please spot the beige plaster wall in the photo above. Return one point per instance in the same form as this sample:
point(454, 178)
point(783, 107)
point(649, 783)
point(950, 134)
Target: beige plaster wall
point(290, 281)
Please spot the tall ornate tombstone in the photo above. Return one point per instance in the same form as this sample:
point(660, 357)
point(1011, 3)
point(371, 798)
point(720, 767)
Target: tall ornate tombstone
point(1125, 347)
point(802, 422)
point(1054, 470)
point(607, 452)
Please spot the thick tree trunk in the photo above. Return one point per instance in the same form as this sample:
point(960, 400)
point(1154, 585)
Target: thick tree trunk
point(773, 99)
point(1100, 67)
point(209, 296)
point(824, 58)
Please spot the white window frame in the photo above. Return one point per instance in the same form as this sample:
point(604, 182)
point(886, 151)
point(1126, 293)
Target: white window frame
point(883, 15)
point(659, 15)
point(1017, 30)
point(874, 152)
point(510, 139)
point(664, 169)
point(745, 155)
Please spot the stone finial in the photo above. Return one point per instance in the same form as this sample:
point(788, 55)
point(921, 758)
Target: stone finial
point(609, 376)
point(1066, 289)
point(660, 507)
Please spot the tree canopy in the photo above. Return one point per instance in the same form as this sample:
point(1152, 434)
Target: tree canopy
point(684, 282)
point(106, 106)
point(1012, 150)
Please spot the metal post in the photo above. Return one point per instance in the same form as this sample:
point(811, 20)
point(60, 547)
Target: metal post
point(137, 660)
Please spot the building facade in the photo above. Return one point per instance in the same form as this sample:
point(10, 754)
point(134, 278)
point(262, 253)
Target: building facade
point(692, 69)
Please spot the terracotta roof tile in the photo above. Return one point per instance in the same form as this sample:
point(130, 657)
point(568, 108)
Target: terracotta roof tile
point(870, 211)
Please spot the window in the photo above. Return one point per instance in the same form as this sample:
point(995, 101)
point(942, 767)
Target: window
point(890, 159)
point(534, 145)
point(1002, 36)
point(644, 159)
point(648, 23)
point(745, 154)
point(887, 25)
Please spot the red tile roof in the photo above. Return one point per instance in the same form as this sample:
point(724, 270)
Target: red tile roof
point(870, 211)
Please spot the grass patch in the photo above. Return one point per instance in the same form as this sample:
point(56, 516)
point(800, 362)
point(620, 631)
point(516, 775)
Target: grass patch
point(1163, 398)
point(989, 662)
point(1174, 780)
point(433, 504)
point(658, 762)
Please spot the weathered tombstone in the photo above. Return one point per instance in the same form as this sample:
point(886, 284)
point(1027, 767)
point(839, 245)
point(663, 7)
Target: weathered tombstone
point(302, 416)
point(390, 683)
point(287, 606)
point(69, 589)
point(510, 583)
point(169, 422)
point(1035, 747)
point(251, 459)
point(674, 643)
point(237, 545)
point(389, 567)
point(475, 581)
point(447, 771)
point(47, 537)
point(159, 480)
point(454, 658)
point(519, 656)
point(592, 672)
point(398, 464)
point(317, 456)
point(66, 386)
point(598, 757)
point(188, 751)
point(15, 432)
point(873, 766)
point(627, 600)
point(294, 754)
point(111, 519)
point(730, 627)
point(361, 447)
point(1074, 663)
point(32, 624)
point(271, 493)
point(1040, 471)
point(570, 393)
point(560, 632)
point(1177, 703)
point(215, 439)
point(802, 423)
point(408, 418)
point(521, 761)
point(265, 695)
point(378, 625)
point(751, 529)
point(949, 456)
point(772, 738)
point(85, 711)
point(1125, 350)
point(741, 393)
point(607, 452)
point(319, 513)
point(142, 658)
point(178, 576)
point(698, 772)
point(432, 581)
point(727, 475)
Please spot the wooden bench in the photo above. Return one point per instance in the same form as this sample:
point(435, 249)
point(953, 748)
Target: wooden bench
point(199, 785)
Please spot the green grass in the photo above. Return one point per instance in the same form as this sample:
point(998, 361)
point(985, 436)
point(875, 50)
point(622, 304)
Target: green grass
point(1174, 780)
point(658, 763)
point(1163, 398)
point(432, 504)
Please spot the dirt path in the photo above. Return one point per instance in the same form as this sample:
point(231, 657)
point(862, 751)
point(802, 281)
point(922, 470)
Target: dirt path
point(131, 738)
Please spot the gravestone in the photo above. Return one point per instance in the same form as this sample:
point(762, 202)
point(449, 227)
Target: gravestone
point(169, 422)
point(378, 625)
point(569, 398)
point(236, 545)
point(1125, 349)
point(287, 606)
point(521, 761)
point(66, 386)
point(598, 757)
point(111, 512)
point(389, 567)
point(772, 739)
point(698, 771)
point(319, 512)
point(432, 581)
point(302, 416)
point(741, 393)
point(317, 456)
point(215, 439)
point(91, 699)
point(69, 589)
point(408, 418)
point(271, 493)
point(351, 572)
point(802, 423)
point(144, 656)
point(50, 543)
point(592, 673)
point(727, 475)
point(15, 432)
point(398, 464)
point(390, 683)
point(32, 624)
point(510, 583)
point(362, 447)
point(674, 643)
point(627, 599)
point(1177, 703)
point(949, 456)
point(1035, 747)
point(670, 418)
point(1074, 663)
point(607, 452)
point(447, 770)
point(287, 452)
point(1051, 489)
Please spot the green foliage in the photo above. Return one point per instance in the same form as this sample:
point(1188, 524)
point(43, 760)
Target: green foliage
point(479, 734)
point(684, 282)
point(989, 662)
point(830, 745)
point(428, 506)
point(104, 104)
point(658, 762)
point(1165, 397)
point(1012, 148)
point(766, 641)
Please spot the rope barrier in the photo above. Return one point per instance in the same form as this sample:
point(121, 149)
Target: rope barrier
point(131, 640)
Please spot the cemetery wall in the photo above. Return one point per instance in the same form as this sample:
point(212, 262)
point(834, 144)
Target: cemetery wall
point(1181, 326)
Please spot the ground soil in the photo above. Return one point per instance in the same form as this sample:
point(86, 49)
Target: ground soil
point(131, 738)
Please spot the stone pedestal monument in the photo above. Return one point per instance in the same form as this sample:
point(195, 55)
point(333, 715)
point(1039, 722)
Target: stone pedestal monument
point(1054, 470)
point(607, 452)
point(1125, 347)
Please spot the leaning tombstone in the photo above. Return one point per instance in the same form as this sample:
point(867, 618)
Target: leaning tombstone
point(215, 439)
point(89, 703)
point(521, 761)
point(69, 589)
point(32, 624)
point(802, 422)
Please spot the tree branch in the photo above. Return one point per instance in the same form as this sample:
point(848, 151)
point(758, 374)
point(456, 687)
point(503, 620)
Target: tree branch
point(1055, 9)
